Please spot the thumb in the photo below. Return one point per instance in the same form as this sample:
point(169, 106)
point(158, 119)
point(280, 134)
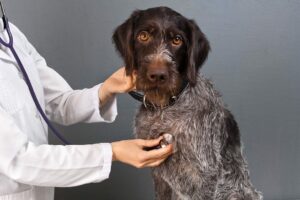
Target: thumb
point(152, 143)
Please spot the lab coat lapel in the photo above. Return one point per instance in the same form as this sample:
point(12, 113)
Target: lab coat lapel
point(6, 57)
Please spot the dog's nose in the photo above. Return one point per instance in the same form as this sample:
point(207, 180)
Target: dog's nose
point(157, 75)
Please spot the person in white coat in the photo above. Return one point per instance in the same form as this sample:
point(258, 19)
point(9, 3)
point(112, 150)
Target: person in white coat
point(30, 168)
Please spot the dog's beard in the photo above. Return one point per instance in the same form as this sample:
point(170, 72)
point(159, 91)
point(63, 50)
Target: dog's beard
point(160, 95)
point(158, 98)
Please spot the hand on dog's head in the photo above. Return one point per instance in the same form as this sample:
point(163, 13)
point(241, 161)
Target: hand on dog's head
point(164, 48)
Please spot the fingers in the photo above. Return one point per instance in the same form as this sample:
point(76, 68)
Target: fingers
point(159, 153)
point(126, 82)
point(153, 162)
point(133, 80)
point(154, 157)
point(155, 153)
point(156, 163)
point(150, 143)
point(122, 71)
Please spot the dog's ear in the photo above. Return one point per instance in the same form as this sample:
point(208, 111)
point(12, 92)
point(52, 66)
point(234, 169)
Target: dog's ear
point(124, 41)
point(197, 49)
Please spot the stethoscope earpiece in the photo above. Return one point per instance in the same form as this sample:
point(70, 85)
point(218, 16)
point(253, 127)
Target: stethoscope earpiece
point(1, 10)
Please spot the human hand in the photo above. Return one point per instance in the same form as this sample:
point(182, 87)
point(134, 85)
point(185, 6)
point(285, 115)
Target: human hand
point(118, 82)
point(133, 152)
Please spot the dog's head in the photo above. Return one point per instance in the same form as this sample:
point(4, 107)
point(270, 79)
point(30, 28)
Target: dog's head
point(164, 48)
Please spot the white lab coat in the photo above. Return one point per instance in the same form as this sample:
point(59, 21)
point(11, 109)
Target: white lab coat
point(29, 167)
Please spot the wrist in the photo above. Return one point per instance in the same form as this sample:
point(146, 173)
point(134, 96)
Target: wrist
point(106, 89)
point(104, 93)
point(113, 148)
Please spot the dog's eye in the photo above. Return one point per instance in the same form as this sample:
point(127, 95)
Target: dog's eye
point(143, 36)
point(177, 40)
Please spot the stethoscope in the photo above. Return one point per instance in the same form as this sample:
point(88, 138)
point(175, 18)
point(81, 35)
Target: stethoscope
point(10, 45)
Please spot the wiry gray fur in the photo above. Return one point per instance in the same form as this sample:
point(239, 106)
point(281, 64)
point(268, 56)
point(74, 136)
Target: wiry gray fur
point(208, 163)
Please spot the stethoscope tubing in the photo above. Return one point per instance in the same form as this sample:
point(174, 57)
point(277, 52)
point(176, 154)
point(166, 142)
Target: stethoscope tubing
point(10, 45)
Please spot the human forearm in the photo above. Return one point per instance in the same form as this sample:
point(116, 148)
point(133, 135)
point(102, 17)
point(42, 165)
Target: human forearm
point(61, 166)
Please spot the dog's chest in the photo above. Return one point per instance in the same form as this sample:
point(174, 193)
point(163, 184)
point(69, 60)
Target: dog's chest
point(150, 125)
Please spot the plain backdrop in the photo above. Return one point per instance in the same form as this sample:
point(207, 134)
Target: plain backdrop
point(254, 62)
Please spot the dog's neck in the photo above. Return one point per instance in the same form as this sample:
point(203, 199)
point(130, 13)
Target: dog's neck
point(151, 106)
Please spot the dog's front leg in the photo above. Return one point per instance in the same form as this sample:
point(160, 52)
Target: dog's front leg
point(194, 185)
point(162, 188)
point(194, 170)
point(181, 179)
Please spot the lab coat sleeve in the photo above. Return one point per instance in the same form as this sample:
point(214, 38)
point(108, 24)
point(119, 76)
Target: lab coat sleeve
point(50, 165)
point(65, 105)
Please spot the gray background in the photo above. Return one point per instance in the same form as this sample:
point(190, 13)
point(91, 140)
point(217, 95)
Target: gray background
point(254, 62)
